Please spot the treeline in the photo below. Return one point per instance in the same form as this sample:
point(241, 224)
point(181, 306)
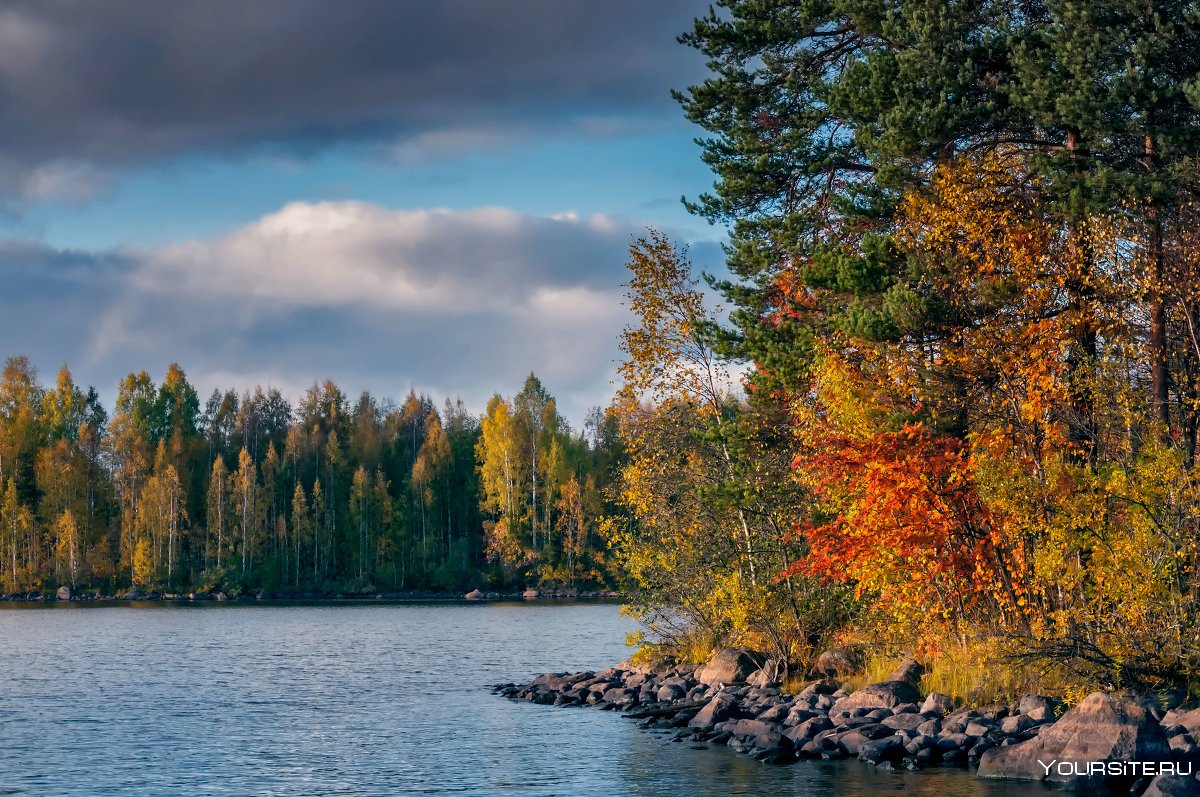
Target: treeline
point(250, 493)
point(967, 285)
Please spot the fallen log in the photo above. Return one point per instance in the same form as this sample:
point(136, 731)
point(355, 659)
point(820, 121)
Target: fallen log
point(666, 711)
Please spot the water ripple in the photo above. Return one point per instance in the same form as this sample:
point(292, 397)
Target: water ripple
point(353, 700)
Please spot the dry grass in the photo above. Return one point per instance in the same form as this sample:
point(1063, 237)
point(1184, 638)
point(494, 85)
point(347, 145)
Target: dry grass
point(974, 674)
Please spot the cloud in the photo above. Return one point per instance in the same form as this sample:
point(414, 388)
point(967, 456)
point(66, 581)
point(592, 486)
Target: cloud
point(336, 253)
point(451, 302)
point(89, 88)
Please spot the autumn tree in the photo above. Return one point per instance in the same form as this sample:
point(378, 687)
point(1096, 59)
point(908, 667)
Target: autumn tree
point(710, 495)
point(499, 456)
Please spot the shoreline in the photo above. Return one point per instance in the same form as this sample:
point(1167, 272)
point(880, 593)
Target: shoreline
point(890, 725)
point(137, 596)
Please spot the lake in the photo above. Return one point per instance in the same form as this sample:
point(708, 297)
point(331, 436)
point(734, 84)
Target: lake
point(356, 700)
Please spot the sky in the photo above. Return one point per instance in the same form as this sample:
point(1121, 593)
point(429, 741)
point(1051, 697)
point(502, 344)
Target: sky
point(425, 194)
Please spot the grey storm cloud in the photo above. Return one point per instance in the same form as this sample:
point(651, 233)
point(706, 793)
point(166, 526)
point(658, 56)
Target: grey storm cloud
point(89, 87)
point(456, 303)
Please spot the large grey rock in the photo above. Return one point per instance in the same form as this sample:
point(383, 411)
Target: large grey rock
point(937, 703)
point(755, 729)
point(1173, 786)
point(838, 663)
point(761, 678)
point(978, 728)
point(771, 673)
point(669, 693)
point(777, 713)
point(954, 741)
point(1040, 714)
point(931, 727)
point(716, 710)
point(904, 722)
point(910, 671)
point(808, 729)
point(1100, 729)
point(1034, 702)
point(621, 697)
point(799, 714)
point(64, 593)
point(473, 595)
point(852, 741)
point(1017, 723)
point(730, 666)
point(817, 688)
point(889, 748)
point(885, 695)
point(1188, 719)
point(919, 743)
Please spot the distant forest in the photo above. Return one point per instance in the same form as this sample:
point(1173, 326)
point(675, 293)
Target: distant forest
point(248, 493)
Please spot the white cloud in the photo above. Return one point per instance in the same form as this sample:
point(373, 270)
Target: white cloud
point(456, 303)
point(342, 253)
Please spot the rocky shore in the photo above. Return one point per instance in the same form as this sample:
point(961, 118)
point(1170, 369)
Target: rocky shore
point(68, 594)
point(1105, 744)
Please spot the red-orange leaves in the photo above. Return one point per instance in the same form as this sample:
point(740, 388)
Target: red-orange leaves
point(907, 527)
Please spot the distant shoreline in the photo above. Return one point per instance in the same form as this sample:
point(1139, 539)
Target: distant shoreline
point(311, 597)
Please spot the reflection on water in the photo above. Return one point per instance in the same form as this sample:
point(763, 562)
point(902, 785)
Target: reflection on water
point(373, 699)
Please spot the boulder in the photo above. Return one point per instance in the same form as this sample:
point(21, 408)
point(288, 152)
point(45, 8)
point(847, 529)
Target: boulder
point(937, 703)
point(669, 693)
point(762, 678)
point(808, 729)
point(889, 748)
point(65, 593)
point(1100, 729)
point(1190, 720)
point(931, 727)
point(908, 671)
point(756, 729)
point(776, 713)
point(529, 594)
point(551, 680)
point(919, 743)
point(730, 666)
point(716, 710)
point(474, 595)
point(885, 695)
point(1017, 723)
point(772, 671)
point(904, 722)
point(978, 728)
point(852, 741)
point(949, 742)
point(1040, 714)
point(618, 696)
point(1173, 786)
point(1034, 702)
point(837, 663)
point(817, 688)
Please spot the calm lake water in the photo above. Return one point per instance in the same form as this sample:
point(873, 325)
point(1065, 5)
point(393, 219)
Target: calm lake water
point(374, 699)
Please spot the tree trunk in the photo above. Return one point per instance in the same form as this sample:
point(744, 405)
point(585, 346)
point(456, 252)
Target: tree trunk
point(1082, 425)
point(1160, 374)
